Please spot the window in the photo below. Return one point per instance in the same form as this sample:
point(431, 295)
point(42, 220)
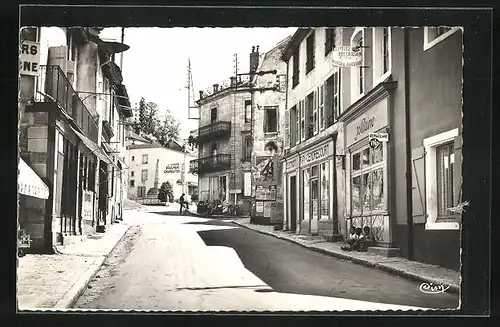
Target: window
point(357, 73)
point(294, 126)
point(367, 180)
point(248, 111)
point(144, 158)
point(442, 180)
point(132, 183)
point(434, 35)
point(325, 190)
point(302, 121)
point(361, 82)
point(247, 147)
point(321, 107)
point(213, 148)
point(329, 40)
point(296, 71)
point(144, 175)
point(310, 53)
point(332, 105)
point(213, 115)
point(315, 118)
point(309, 112)
point(385, 49)
point(141, 191)
point(131, 174)
point(133, 158)
point(270, 120)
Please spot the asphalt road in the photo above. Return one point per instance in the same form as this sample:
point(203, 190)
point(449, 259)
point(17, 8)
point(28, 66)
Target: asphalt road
point(290, 268)
point(187, 263)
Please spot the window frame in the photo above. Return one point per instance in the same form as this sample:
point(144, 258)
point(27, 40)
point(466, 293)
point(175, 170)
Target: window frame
point(248, 111)
point(246, 138)
point(296, 68)
point(145, 162)
point(266, 119)
point(330, 38)
point(430, 145)
point(144, 179)
point(428, 44)
point(378, 54)
point(357, 73)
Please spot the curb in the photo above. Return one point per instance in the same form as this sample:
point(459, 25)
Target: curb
point(452, 287)
point(69, 299)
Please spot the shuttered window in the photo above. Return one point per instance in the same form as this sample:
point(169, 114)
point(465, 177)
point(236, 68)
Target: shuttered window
point(445, 161)
point(321, 107)
point(287, 129)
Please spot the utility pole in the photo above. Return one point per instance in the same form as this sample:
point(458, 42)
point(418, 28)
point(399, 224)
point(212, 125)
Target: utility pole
point(233, 134)
point(121, 54)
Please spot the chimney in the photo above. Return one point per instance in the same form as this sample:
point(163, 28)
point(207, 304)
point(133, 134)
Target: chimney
point(216, 88)
point(233, 81)
point(254, 59)
point(201, 94)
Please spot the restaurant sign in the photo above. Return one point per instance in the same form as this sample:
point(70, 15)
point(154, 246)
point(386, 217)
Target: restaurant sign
point(172, 168)
point(320, 152)
point(347, 56)
point(29, 58)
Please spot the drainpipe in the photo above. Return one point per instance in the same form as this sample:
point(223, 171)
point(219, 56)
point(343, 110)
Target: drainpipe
point(409, 190)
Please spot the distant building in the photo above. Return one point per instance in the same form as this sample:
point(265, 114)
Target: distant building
point(239, 139)
point(150, 165)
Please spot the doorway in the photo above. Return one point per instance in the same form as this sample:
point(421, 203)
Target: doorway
point(293, 203)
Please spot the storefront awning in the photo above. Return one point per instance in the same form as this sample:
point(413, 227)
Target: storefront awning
point(29, 183)
point(94, 148)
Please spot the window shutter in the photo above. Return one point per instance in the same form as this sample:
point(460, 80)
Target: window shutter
point(418, 185)
point(315, 112)
point(286, 132)
point(457, 171)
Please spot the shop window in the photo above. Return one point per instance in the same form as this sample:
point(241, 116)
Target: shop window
point(270, 120)
point(310, 44)
point(442, 180)
point(314, 171)
point(325, 190)
point(329, 40)
point(368, 180)
point(435, 35)
point(144, 158)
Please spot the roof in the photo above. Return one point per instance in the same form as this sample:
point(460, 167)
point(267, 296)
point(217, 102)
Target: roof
point(174, 146)
point(135, 136)
point(294, 43)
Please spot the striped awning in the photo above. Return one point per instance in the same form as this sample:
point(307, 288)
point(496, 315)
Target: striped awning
point(29, 183)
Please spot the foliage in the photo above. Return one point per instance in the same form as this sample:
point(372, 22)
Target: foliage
point(166, 192)
point(148, 125)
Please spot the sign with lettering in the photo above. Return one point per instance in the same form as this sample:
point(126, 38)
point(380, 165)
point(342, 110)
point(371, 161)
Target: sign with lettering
point(382, 137)
point(371, 121)
point(347, 56)
point(29, 58)
point(317, 153)
point(172, 168)
point(265, 193)
point(292, 164)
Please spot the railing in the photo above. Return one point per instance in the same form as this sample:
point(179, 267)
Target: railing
point(210, 164)
point(55, 87)
point(213, 130)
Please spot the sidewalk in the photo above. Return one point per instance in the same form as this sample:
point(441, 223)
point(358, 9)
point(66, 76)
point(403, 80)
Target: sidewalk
point(397, 265)
point(56, 281)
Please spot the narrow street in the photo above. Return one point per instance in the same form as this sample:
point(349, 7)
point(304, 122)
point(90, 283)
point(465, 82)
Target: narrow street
point(183, 263)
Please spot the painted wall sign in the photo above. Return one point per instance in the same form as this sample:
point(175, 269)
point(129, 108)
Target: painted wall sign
point(369, 122)
point(317, 153)
point(172, 168)
point(292, 164)
point(29, 58)
point(259, 206)
point(347, 56)
point(265, 193)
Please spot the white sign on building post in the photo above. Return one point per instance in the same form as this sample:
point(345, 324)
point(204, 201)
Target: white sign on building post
point(347, 56)
point(29, 58)
point(375, 139)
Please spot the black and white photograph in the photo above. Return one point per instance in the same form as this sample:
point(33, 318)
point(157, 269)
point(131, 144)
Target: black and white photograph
point(259, 169)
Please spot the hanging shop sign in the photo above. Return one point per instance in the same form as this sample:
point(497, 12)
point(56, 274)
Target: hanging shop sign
point(172, 168)
point(371, 121)
point(376, 139)
point(317, 153)
point(29, 58)
point(347, 56)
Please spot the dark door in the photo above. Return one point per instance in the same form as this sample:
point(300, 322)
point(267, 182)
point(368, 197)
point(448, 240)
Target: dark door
point(293, 204)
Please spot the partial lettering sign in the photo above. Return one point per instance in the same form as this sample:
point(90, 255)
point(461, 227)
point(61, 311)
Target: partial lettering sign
point(29, 58)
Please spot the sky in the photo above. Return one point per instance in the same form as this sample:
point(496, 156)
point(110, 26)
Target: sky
point(155, 66)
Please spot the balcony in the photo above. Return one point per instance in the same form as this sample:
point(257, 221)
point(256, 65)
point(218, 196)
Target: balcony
point(54, 87)
point(214, 130)
point(210, 164)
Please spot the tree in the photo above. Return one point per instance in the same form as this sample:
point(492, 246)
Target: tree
point(149, 126)
point(166, 192)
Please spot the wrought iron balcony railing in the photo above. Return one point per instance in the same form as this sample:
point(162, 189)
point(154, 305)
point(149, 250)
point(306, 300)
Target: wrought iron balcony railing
point(209, 164)
point(54, 86)
point(217, 129)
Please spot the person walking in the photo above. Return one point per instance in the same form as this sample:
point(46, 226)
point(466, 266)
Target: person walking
point(181, 200)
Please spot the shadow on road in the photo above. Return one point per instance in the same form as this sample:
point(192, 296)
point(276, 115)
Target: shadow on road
point(225, 287)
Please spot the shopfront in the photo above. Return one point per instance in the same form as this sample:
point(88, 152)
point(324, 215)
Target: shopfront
point(316, 179)
point(367, 172)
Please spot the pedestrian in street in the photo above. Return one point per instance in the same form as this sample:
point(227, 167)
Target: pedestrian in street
point(181, 201)
point(351, 240)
